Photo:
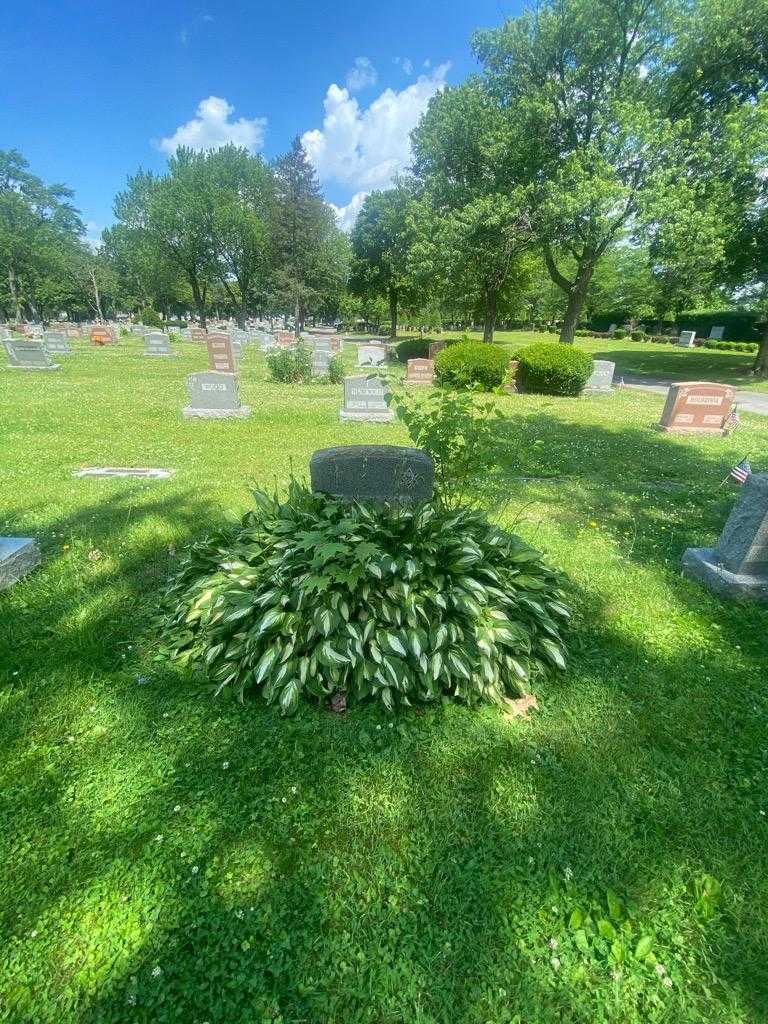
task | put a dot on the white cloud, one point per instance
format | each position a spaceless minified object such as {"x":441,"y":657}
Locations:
{"x":212,"y":128}
{"x":406,"y":64}
{"x":93,"y":233}
{"x":366,"y":148}
{"x":361,"y":75}
{"x":347,"y":215}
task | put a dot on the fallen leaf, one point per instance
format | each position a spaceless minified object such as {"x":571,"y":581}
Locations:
{"x":520,"y":707}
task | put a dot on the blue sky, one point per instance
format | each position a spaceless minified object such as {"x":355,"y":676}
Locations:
{"x":89,"y":91}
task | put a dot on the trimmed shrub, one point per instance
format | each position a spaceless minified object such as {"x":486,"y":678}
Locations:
{"x":554,"y":369}
{"x":150,"y":318}
{"x":471,"y":362}
{"x":638,"y":335}
{"x":412,"y":348}
{"x":314,"y":595}
{"x":730,"y":346}
{"x":619,"y":333}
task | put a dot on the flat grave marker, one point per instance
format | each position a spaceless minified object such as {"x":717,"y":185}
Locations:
{"x":142,"y":473}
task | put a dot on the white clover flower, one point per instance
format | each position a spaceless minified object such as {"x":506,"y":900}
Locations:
{"x":568,"y":874}
{"x":195,"y":869}
{"x":284,"y":800}
{"x":666,"y":982}
{"x":33,"y":934}
{"x":225,"y":764}
{"x":177,"y":808}
{"x":294,"y":790}
{"x":661,"y":970}
{"x":555,"y":961}
{"x":553,"y":943}
{"x":156,"y":972}
{"x":158,"y":839}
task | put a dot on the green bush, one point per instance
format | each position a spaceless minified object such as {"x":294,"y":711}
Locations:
{"x":551,"y":368}
{"x":412,"y":348}
{"x":638,"y":335}
{"x":729,"y":346}
{"x":336,"y":370}
{"x":619,"y":333}
{"x":314,"y":595}
{"x":150,"y":318}
{"x":471,"y":362}
{"x":290,"y":366}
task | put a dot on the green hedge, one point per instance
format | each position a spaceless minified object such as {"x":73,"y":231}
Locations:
{"x":730,"y":346}
{"x":412,"y":348}
{"x":471,"y":362}
{"x":551,"y":368}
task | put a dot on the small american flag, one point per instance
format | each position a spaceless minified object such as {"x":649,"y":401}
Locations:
{"x":740,"y":472}
{"x":732,"y":421}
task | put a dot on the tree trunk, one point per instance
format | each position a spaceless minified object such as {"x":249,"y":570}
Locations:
{"x":393,"y":312}
{"x":491,"y":302}
{"x":576,"y":296}
{"x":760,"y":367}
{"x":199,"y":301}
{"x":96,"y":294}
{"x":297,"y":317}
{"x":14,"y":289}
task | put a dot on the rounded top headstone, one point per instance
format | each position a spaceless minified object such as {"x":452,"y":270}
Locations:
{"x":378,"y":473}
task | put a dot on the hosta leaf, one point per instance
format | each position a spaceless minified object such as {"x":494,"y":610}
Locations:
{"x":553,"y":652}
{"x":396,"y":645}
{"x":289,"y":698}
{"x":266,"y":662}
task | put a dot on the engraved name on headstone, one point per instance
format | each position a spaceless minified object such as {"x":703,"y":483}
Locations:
{"x":157,"y":344}
{"x":420,"y":371}
{"x":601,"y":379}
{"x":378,"y":473}
{"x":686,"y":339}
{"x":57,"y":343}
{"x":25,"y":354}
{"x":371,"y":355}
{"x":221,"y":354}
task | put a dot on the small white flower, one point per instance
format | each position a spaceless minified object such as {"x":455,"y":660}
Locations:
{"x":616,"y":975}
{"x":568,"y":874}
{"x":158,"y":839}
{"x":555,"y":961}
{"x":666,"y":982}
{"x":70,"y":739}
{"x":156,"y":972}
{"x":294,"y":790}
{"x":165,"y":714}
{"x":225,"y":764}
{"x":195,"y":869}
{"x":33,"y":934}
{"x":661,"y":970}
{"x":284,"y":800}
{"x":378,"y":727}
{"x":177,"y":808}
{"x":553,"y":943}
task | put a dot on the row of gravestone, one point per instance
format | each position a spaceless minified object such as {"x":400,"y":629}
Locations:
{"x":686,"y":339}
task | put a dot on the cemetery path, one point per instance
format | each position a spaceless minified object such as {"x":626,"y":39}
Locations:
{"x":747,"y":401}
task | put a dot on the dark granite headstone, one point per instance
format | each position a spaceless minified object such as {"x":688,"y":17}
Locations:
{"x":25,"y":354}
{"x":365,"y":398}
{"x":378,"y":473}
{"x":737,"y":568}
{"x":214,"y":395}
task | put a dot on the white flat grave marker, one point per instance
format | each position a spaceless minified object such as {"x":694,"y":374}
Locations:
{"x":121,"y":471}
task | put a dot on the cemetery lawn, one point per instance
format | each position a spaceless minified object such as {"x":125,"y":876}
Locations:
{"x":165,"y":857}
{"x":644,"y":359}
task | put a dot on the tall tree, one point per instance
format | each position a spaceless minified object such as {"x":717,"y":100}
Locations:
{"x":303,"y":226}
{"x":472,"y":222}
{"x":381,"y":240}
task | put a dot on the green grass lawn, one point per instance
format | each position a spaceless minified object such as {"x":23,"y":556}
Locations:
{"x":646,"y":359}
{"x":165,"y":857}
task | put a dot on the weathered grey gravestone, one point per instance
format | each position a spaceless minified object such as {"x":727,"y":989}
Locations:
{"x":601,"y":381}
{"x":378,"y":473}
{"x":57,"y":343}
{"x":321,"y":361}
{"x":365,"y":398}
{"x":686,"y":339}
{"x":214,"y":395}
{"x":737,"y":568}
{"x":18,"y":556}
{"x":371,"y":355}
{"x":716,"y":333}
{"x":29,"y":355}
{"x":157,"y":344}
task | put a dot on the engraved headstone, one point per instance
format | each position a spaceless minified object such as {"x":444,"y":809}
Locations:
{"x":612,"y":329}
{"x":420,"y":371}
{"x":57,"y":343}
{"x":737,"y":568}
{"x":18,"y":556}
{"x":221,"y":355}
{"x":157,"y":344}
{"x":601,"y":380}
{"x":198,"y":334}
{"x":716,"y":333}
{"x":695,"y":407}
{"x":25,"y":354}
{"x":435,"y":347}
{"x":365,"y":398}
{"x":100,"y":336}
{"x":686,"y":339}
{"x":378,"y":473}
{"x":371,"y":355}
{"x":214,"y":395}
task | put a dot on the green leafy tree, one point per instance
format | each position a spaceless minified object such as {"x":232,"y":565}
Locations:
{"x":381,"y":240}
{"x":471,"y":220}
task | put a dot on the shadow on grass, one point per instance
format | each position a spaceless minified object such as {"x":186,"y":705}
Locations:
{"x":417,"y":872}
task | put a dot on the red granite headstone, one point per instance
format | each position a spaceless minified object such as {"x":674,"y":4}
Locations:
{"x":697,"y":407}
{"x":197,"y":334}
{"x":420,"y":371}
{"x":100,"y":336}
{"x":285,"y":338}
{"x":221,"y":356}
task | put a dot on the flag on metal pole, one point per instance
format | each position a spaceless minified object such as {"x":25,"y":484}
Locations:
{"x":741,"y":471}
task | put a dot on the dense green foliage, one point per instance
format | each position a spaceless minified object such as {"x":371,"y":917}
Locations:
{"x":471,"y":362}
{"x":554,"y":369}
{"x":412,"y":348}
{"x":314,"y":595}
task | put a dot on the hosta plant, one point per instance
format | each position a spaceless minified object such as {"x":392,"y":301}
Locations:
{"x":312,"y":595}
